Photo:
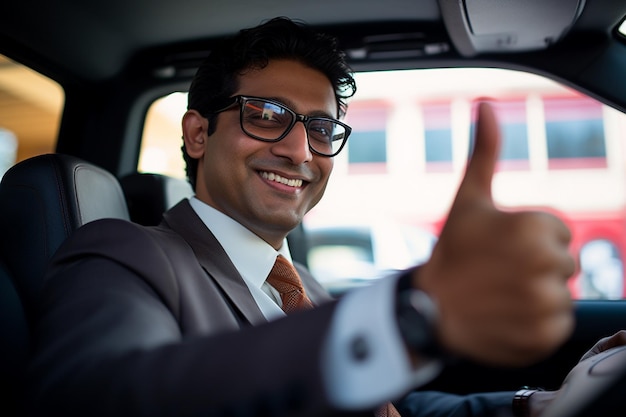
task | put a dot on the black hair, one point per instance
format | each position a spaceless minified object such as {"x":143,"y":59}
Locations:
{"x":278,"y":38}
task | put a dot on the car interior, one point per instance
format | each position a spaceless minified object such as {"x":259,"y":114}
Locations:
{"x":111,"y":61}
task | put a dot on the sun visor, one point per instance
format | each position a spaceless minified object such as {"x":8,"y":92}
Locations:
{"x":479,"y":26}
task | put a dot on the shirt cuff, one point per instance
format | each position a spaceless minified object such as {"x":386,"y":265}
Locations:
{"x":364,"y":360}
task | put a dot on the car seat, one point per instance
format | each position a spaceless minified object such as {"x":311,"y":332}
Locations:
{"x":42,"y":201}
{"x":14,"y":344}
{"x":148,"y":196}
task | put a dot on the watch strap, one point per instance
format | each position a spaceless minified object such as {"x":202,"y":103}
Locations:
{"x":521,"y":407}
{"x":416,"y":317}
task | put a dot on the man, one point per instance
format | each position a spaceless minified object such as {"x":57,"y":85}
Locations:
{"x":180,"y":320}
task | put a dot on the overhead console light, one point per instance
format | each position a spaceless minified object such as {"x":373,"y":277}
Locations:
{"x":480,"y":26}
{"x":397,"y":46}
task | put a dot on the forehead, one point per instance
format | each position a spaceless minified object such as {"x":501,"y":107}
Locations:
{"x":304,"y":89}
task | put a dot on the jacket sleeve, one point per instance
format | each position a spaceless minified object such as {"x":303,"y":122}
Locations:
{"x":441,"y":404}
{"x":110,"y":342}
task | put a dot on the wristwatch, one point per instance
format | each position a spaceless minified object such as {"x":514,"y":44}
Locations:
{"x":417,"y":319}
{"x":520,"y":401}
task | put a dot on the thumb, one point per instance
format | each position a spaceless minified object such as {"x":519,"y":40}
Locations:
{"x":476,"y":183}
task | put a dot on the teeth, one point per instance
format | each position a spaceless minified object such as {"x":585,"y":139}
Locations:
{"x":277,"y":178}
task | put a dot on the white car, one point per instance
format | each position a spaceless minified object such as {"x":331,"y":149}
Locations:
{"x":345,"y":256}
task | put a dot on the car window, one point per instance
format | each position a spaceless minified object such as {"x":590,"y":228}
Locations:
{"x":412,"y":134}
{"x":160,"y":146}
{"x":30,"y":113}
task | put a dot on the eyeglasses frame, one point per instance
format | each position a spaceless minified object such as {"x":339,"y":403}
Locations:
{"x":241,"y":100}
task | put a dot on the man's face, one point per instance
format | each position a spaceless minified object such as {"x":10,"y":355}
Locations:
{"x":235,"y":170}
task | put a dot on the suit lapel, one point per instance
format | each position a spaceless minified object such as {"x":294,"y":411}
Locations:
{"x":213,"y":259}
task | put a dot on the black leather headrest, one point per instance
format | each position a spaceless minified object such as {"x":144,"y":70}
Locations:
{"x":42,"y":201}
{"x":149,"y":195}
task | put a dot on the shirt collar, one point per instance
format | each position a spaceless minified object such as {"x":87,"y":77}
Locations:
{"x":251,"y":255}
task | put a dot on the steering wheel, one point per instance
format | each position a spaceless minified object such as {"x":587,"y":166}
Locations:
{"x":594,"y":387}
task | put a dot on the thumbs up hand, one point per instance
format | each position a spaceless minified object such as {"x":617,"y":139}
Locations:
{"x":499,"y":277}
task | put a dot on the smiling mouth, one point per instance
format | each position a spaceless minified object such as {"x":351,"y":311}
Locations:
{"x":270,"y":176}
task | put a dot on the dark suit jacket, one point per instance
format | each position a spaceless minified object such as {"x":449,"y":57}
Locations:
{"x":148,"y":321}
{"x":129,"y":309}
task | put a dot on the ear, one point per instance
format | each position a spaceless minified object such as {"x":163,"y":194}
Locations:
{"x":194,"y":133}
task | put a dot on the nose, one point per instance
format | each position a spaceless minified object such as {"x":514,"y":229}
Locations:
{"x":294,"y":146}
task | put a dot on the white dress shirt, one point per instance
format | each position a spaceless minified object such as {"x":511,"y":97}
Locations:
{"x":366,"y":315}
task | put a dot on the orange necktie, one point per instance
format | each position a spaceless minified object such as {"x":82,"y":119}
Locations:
{"x":387,"y":410}
{"x":284,"y":278}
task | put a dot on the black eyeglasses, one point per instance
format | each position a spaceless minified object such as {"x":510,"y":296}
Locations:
{"x":270,"y":121}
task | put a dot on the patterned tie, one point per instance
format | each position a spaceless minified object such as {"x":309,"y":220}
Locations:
{"x":387,"y":410}
{"x":284,"y":278}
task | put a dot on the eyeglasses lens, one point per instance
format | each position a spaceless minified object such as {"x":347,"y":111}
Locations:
{"x":270,"y":121}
